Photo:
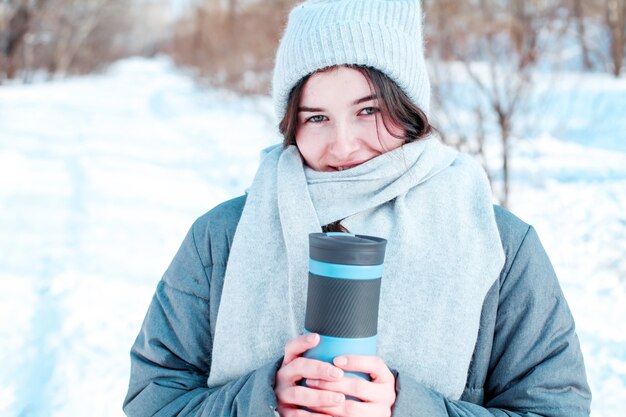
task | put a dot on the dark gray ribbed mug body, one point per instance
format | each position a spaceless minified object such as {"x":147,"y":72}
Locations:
{"x":345,"y":272}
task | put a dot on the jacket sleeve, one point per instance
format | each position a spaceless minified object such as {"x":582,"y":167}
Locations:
{"x":535,"y":366}
{"x":171,"y":357}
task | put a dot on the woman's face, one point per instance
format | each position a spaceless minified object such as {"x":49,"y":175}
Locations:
{"x":339,"y":121}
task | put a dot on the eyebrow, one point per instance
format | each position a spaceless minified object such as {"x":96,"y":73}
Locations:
{"x":354,"y":103}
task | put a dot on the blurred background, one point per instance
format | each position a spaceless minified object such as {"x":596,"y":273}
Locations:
{"x":121,"y":121}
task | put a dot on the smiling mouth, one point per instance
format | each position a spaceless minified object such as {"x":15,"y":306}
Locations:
{"x":348,"y":166}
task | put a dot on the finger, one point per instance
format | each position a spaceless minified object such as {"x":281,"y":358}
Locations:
{"x":372,"y":365}
{"x":292,"y":411}
{"x":308,"y":397}
{"x":359,"y":409}
{"x":296,"y":347}
{"x":301,"y":368}
{"x":355,"y":409}
{"x":358,"y":388}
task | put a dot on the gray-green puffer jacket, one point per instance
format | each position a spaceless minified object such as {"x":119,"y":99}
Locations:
{"x":527,"y":360}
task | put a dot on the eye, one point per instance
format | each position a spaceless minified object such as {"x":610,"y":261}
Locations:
{"x":369,"y":111}
{"x":316,"y":119}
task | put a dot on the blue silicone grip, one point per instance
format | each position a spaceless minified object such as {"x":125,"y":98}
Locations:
{"x":331,"y":347}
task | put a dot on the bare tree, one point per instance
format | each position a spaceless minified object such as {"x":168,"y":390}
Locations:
{"x":616,"y":24}
{"x":578,"y":13}
{"x":497,"y":45}
{"x":20,"y":19}
{"x":63,"y":36}
{"x":231,"y":43}
{"x":606,"y":41}
{"x":75,"y":26}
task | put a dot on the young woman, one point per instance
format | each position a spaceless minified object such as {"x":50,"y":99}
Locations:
{"x":472,"y":320}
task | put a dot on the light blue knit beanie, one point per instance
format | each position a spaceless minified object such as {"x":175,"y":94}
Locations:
{"x":383,"y":34}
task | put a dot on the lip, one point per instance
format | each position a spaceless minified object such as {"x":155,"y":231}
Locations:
{"x":347,"y":165}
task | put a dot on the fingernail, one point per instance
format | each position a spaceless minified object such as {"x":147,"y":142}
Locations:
{"x":340,"y":360}
{"x":311,"y":337}
{"x":338,"y":398}
{"x":336,"y":372}
{"x":312,"y":382}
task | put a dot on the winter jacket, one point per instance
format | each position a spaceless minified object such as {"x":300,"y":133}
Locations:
{"x":527,"y":360}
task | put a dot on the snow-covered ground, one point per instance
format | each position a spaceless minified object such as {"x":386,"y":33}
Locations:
{"x":101,"y":176}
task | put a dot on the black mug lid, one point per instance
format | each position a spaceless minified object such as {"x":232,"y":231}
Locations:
{"x":347,"y":249}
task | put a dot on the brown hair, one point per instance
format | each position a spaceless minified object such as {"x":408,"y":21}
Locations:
{"x":395,"y":107}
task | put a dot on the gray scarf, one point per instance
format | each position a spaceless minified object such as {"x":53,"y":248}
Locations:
{"x":430,"y":202}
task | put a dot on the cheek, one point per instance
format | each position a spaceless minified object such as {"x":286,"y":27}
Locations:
{"x":390,"y":143}
{"x":309,"y":144}
{"x":391,"y":139}
{"x":302,"y":138}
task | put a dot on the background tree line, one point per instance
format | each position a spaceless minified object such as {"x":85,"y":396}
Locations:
{"x":64,"y":37}
{"x":496,"y":46}
{"x":233,"y":41}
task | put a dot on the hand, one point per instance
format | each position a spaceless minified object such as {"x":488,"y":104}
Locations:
{"x":377,"y":395}
{"x":295,"y":368}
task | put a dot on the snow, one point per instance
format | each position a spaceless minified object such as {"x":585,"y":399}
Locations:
{"x":101,"y":177}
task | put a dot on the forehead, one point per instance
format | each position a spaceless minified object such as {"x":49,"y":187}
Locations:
{"x":338,"y":85}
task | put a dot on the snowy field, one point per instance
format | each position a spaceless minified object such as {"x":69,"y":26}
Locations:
{"x":101,"y":176}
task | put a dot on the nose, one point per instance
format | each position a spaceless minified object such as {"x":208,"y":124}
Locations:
{"x":345,"y":141}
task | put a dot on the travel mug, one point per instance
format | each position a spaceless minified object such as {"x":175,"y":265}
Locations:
{"x":345,"y":273}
